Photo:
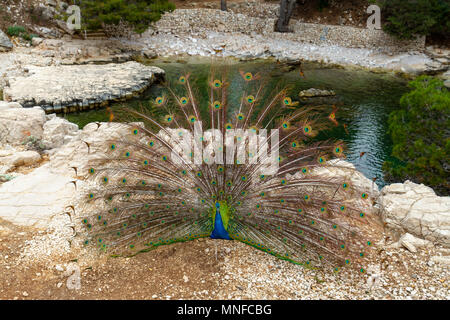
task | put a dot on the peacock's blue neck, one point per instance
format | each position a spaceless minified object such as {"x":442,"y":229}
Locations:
{"x":219,"y":231}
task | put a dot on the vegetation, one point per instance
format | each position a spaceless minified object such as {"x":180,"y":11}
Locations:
{"x":407,"y":18}
{"x":420,"y":132}
{"x":137,"y":13}
{"x":19,"y":31}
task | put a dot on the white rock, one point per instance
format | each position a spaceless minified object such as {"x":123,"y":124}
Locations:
{"x":447,"y":83}
{"x":33,"y":199}
{"x":9,"y":105}
{"x":36,"y":41}
{"x":412,"y":243}
{"x":312,"y":92}
{"x":18,"y":124}
{"x":441,"y":259}
{"x":5,"y":43}
{"x":23,"y":158}
{"x":56,"y":130}
{"x":414,"y":208}
{"x":57,"y":87}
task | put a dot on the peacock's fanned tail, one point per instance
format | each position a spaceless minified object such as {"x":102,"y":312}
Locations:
{"x":145,"y":191}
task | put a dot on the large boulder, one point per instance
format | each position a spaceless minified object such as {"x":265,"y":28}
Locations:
{"x":57,"y":131}
{"x":81,"y":148}
{"x":33,"y":199}
{"x":36,"y":198}
{"x":5,"y":43}
{"x":416,"y":209}
{"x":21,"y":158}
{"x":17,"y":124}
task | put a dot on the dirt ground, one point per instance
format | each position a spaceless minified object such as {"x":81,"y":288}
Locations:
{"x":193,"y":270}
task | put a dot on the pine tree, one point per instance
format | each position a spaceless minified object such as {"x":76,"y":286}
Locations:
{"x":137,"y":13}
{"x":420,"y":131}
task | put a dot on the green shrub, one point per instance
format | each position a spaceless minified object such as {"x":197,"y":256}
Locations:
{"x":19,"y":31}
{"x":420,"y":131}
{"x":138,"y":13}
{"x":15,"y":31}
{"x":407,"y":18}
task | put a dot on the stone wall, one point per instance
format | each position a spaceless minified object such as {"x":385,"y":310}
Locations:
{"x":194,"y":21}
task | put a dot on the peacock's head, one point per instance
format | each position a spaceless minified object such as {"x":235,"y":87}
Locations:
{"x":218,"y":205}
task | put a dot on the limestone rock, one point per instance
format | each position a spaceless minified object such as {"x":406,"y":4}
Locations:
{"x":19,"y":124}
{"x":342,"y":168}
{"x":445,"y":260}
{"x":412,"y":243}
{"x":36,"y":41}
{"x":55,"y":131}
{"x":413,"y":208}
{"x":76,"y":154}
{"x":5,"y":43}
{"x":23,"y":158}
{"x":447,"y":83}
{"x":78,"y":87}
{"x":312,"y":92}
{"x":9,"y":105}
{"x":33,"y":199}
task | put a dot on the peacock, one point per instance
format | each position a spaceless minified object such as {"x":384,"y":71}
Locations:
{"x":252,"y":169}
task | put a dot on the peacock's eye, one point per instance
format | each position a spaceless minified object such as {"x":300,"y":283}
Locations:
{"x":159,"y":100}
{"x":184,"y":100}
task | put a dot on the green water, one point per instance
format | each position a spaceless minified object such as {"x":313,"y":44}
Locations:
{"x":365,"y":101}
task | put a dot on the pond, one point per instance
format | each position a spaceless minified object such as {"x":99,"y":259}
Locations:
{"x":365,"y":101}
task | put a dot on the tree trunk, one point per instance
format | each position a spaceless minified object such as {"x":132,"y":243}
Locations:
{"x":286,"y":8}
{"x":223,"y":5}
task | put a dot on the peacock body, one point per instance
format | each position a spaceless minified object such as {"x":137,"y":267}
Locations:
{"x":194,"y":171}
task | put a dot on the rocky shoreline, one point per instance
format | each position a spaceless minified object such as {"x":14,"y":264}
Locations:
{"x":27,"y":71}
{"x":210,"y":32}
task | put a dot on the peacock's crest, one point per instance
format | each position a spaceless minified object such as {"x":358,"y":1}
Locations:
{"x":252,"y":171}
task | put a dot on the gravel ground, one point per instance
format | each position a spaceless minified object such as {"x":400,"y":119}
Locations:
{"x":43,"y":267}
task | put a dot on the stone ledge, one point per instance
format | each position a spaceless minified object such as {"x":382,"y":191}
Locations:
{"x":81,"y":87}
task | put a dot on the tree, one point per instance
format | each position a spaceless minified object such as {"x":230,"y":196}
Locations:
{"x":136,"y":13}
{"x":223,"y":5}
{"x":407,"y":18}
{"x":420,"y":131}
{"x":286,"y":8}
